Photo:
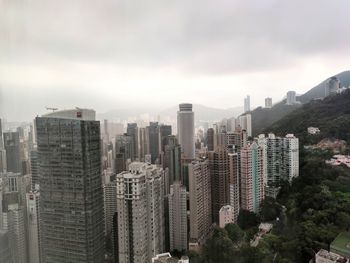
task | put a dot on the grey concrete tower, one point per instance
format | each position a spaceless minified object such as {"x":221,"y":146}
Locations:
{"x":185,"y":130}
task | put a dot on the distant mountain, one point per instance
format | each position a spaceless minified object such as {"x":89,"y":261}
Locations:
{"x":202,"y":113}
{"x":331,"y":115}
{"x":263,"y":118}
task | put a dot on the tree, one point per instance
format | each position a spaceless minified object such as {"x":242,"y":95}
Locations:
{"x":247,"y":219}
{"x":269,"y":209}
{"x":234,"y":232}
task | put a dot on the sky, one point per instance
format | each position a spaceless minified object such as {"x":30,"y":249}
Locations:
{"x":118,"y":54}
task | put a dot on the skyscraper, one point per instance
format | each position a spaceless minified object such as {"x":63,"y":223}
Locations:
{"x":200,"y":201}
{"x":164,"y":133}
{"x":172,"y":159}
{"x":140,"y":213}
{"x":33,"y":232}
{"x":268,"y":103}
{"x":332,"y":86}
{"x":5,"y":252}
{"x":71,"y":197}
{"x":245,"y":122}
{"x":185,"y":130}
{"x":144,"y":143}
{"x":219,"y":173}
{"x":247,"y":104}
{"x":210,"y":139}
{"x":234,"y":183}
{"x":154,"y":141}
{"x":178,"y":217}
{"x":123,"y":151}
{"x":132,"y":131}
{"x":12,"y":147}
{"x":1,"y":139}
{"x":252,"y":177}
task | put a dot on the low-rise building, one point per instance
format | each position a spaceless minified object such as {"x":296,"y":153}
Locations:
{"x":313,"y":130}
{"x":324,"y":256}
{"x":167,"y":258}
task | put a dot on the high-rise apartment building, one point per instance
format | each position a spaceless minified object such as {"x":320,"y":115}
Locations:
{"x":268,"y":103}
{"x":140,"y":213}
{"x":245,"y":123}
{"x":200,"y":201}
{"x":210,"y":139}
{"x":247,"y":104}
{"x":164,"y":133}
{"x":332,"y":86}
{"x":34,"y":169}
{"x":13,"y":156}
{"x":234,"y":183}
{"x":178,"y":217}
{"x":252,"y":177}
{"x":110,"y":205}
{"x":33,"y":230}
{"x":71,"y":196}
{"x":132,"y":131}
{"x":281,"y":160}
{"x":185,"y":130}
{"x":226,"y":216}
{"x":291,"y":98}
{"x":219,"y":173}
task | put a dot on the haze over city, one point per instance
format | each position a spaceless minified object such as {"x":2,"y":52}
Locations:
{"x":153,"y":55}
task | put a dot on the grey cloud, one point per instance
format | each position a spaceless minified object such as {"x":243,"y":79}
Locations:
{"x":193,"y":36}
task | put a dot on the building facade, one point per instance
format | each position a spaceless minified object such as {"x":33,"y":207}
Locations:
{"x":185,"y":130}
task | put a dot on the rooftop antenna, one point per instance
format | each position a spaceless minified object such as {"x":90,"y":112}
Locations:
{"x":52,"y":109}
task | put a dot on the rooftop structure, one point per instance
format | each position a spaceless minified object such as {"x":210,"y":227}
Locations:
{"x":324,"y":256}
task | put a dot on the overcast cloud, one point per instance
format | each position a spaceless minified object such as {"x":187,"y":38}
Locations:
{"x":110,"y":54}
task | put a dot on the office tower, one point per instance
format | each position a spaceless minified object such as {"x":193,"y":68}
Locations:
{"x":3,"y":162}
{"x":12,"y":147}
{"x":219,"y":173}
{"x":164,"y":133}
{"x":247,"y":104}
{"x":133,"y":132}
{"x":332,"y":86}
{"x":140,"y":210}
{"x":226,"y":215}
{"x":123,"y":151}
{"x":291,"y":98}
{"x":178,"y":217}
{"x":71,"y":195}
{"x":245,"y":122}
{"x":210,"y":139}
{"x":110,"y":205}
{"x":34,"y":169}
{"x":5,"y":252}
{"x":1,"y":136}
{"x":17,"y":234}
{"x":200,"y":201}
{"x":172,"y":159}
{"x":185,"y":130}
{"x":252,"y":177}
{"x":105,"y":131}
{"x":33,"y":231}
{"x":154,"y":144}
{"x":268,"y":103}
{"x":144,"y":143}
{"x":234,"y":183}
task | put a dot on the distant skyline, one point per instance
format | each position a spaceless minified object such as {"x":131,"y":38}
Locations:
{"x":120,"y":54}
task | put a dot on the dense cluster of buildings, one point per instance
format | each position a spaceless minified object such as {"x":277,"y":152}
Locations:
{"x":68,"y":184}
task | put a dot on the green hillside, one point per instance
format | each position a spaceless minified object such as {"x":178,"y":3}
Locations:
{"x":331,"y":115}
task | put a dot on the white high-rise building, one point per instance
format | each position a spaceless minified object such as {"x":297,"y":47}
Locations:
{"x":268,"y":103}
{"x":178,"y":217}
{"x":247,"y":104}
{"x":33,"y":231}
{"x":245,"y":122}
{"x":291,"y":98}
{"x":185,"y":130}
{"x":281,"y":160}
{"x":140,"y":208}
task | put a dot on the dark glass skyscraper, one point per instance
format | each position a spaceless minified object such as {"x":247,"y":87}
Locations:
{"x":13,"y":155}
{"x":71,"y":196}
{"x":133,"y":131}
{"x":154,"y":138}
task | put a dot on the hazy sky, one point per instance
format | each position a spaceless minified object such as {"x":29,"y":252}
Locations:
{"x":110,"y":54}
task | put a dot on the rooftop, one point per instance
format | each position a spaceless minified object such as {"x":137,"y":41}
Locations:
{"x":341,"y":244}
